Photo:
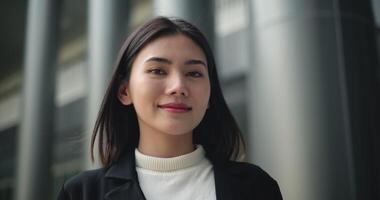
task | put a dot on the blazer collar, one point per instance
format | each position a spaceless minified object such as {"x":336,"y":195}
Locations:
{"x":124,"y":168}
{"x":122,"y":177}
{"x":224,"y":183}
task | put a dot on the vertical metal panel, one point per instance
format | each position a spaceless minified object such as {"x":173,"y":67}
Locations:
{"x":299,"y":107}
{"x":198,"y":12}
{"x":357,"y":26}
{"x":108,"y":24}
{"x":34,"y":179}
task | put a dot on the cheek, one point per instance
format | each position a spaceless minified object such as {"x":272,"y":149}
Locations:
{"x":203,"y":95}
{"x":144,"y":91}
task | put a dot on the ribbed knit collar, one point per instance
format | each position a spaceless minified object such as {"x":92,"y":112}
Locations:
{"x":169,"y":164}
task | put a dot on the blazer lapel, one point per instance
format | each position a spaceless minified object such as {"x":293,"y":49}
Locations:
{"x":225,"y":185}
{"x":228,"y":185}
{"x":122,"y":180}
{"x":126,"y":191}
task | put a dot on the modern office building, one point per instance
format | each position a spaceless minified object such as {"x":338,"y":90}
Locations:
{"x":301,"y":77}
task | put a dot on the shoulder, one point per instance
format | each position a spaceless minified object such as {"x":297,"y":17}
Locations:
{"x":82,"y":183}
{"x":85,"y":178}
{"x":249,"y":179}
{"x":247,"y":170}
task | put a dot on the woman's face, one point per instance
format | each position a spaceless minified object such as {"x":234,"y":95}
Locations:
{"x":169,"y":86}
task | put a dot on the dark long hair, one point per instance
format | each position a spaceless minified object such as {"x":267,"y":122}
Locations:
{"x":116,"y":127}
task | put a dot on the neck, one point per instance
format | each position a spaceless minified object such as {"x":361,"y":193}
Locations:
{"x":165,"y":145}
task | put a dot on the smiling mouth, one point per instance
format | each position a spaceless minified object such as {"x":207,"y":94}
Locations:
{"x":175,"y":108}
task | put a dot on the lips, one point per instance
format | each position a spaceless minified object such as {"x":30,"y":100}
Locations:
{"x":175,"y":107}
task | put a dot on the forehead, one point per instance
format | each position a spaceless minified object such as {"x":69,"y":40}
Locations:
{"x":177,"y":46}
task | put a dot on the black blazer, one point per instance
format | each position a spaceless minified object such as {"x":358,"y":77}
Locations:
{"x":233,"y":180}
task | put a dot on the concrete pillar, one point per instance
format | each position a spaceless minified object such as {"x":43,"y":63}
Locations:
{"x":36,"y":133}
{"x":306,"y":57}
{"x":108,"y":25}
{"x":198,"y":12}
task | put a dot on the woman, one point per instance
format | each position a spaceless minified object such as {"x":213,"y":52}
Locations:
{"x":164,"y":130}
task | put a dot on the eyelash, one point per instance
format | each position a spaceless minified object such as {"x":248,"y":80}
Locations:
{"x":161,"y":72}
{"x":195,"y":74}
{"x":157,"y":72}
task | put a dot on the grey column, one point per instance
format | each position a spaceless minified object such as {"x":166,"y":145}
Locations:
{"x":198,"y":12}
{"x":35,"y":139}
{"x":302,"y":127}
{"x":108,"y":25}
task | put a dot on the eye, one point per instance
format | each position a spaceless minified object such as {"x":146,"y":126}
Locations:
{"x":194,"y":74}
{"x":157,"y":71}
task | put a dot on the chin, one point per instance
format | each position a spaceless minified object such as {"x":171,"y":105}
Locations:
{"x":177,"y":130}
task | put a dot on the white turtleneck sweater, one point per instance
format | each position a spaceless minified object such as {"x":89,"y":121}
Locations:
{"x":186,"y":177}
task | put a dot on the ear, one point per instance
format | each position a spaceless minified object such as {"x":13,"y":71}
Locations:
{"x":123,"y":95}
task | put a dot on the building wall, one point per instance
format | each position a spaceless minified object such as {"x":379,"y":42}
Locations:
{"x":233,"y":59}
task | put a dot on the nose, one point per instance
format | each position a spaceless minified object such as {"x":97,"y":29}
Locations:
{"x":177,"y":86}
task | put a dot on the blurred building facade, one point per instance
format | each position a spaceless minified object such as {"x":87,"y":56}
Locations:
{"x":301,"y":77}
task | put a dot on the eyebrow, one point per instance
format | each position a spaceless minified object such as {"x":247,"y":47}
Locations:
{"x":167,"y":61}
{"x":195,"y":62}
